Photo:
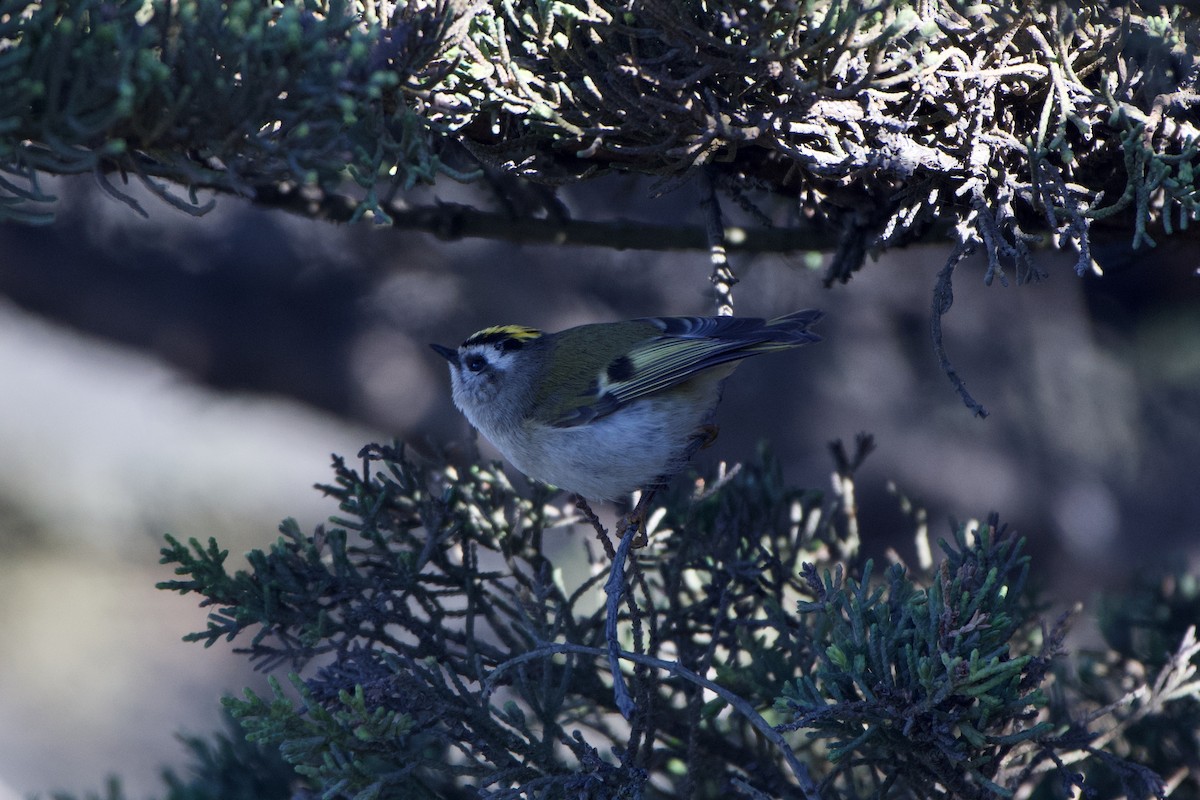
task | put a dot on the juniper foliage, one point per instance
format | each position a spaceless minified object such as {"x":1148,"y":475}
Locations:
{"x":938,"y":682}
{"x":437,"y":651}
{"x":999,"y":122}
{"x":222,"y":766}
{"x":1146,"y":683}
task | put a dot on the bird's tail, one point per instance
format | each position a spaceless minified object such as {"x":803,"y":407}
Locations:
{"x":793,"y":329}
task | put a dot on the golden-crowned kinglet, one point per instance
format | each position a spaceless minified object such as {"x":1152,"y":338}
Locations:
{"x":601,"y":410}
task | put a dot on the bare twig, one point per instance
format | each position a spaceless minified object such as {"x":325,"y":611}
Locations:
{"x":581,"y":505}
{"x":614,"y":590}
{"x":943,"y":298}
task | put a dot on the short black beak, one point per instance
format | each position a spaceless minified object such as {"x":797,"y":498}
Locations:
{"x":448,"y":353}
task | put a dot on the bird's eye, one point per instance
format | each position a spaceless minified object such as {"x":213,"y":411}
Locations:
{"x":474,"y":362}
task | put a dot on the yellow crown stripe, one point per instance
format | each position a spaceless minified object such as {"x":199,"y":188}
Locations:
{"x":498,"y":333}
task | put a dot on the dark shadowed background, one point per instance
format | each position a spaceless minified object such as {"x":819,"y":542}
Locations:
{"x":192,"y":376}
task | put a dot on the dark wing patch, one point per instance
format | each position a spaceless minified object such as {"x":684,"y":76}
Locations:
{"x":621,"y":369}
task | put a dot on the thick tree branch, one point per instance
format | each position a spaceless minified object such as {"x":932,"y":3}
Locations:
{"x":454,"y":221}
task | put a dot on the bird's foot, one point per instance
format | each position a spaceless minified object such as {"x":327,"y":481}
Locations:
{"x":635,"y":520}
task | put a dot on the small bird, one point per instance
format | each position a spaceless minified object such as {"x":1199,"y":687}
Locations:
{"x":601,"y":410}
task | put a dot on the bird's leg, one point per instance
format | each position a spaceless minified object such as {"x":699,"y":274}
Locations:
{"x":635,"y":520}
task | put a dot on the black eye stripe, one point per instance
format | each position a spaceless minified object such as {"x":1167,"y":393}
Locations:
{"x":474,"y":362}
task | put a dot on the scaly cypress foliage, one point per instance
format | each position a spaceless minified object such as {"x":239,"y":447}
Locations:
{"x":994,"y":121}
{"x":445,"y":655}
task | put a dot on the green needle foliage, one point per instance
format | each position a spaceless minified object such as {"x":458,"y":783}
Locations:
{"x":436,"y":651}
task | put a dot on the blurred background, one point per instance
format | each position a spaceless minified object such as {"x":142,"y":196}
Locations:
{"x":192,"y":376}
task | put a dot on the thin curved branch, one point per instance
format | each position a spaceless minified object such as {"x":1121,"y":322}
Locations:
{"x":943,"y":298}
{"x":807,"y":786}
